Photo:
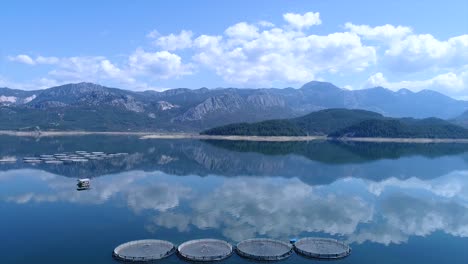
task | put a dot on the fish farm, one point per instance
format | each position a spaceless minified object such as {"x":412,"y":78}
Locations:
{"x":264,"y":249}
{"x":322,"y":248}
{"x":70,"y":158}
{"x":144,"y":250}
{"x":204,"y":250}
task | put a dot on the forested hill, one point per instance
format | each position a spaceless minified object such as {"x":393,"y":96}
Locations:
{"x":346,"y":123}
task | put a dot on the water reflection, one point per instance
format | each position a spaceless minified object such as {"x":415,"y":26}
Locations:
{"x":357,"y":210}
{"x":314,"y":163}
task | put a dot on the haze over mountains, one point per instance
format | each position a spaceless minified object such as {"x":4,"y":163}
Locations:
{"x":88,"y":106}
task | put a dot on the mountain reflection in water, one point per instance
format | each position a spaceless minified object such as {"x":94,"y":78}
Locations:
{"x":178,"y":189}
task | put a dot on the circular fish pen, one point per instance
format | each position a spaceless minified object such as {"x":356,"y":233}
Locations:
{"x":205,"y":250}
{"x":143,"y":250}
{"x":322,"y":248}
{"x":264,"y":249}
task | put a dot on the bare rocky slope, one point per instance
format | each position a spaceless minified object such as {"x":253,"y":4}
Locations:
{"x":88,"y":106}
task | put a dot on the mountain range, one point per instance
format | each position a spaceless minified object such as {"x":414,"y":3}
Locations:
{"x":88,"y":106}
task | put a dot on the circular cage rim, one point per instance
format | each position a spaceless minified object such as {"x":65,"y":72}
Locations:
{"x":210,"y":258}
{"x":269,"y":257}
{"x":346,"y":251}
{"x":118,"y":256}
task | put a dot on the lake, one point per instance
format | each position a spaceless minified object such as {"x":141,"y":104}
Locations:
{"x":393,"y":203}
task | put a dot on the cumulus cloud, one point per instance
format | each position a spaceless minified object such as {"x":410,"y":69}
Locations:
{"x":40,"y":83}
{"x":174,"y":42}
{"x":303,"y":21}
{"x":423,"y":52}
{"x":386,"y":32}
{"x":245,"y":55}
{"x":161,"y":64}
{"x":454,"y":83}
{"x":154,"y":65}
{"x":22,"y":58}
{"x":84,"y":68}
{"x":26,"y":59}
{"x":262,"y":54}
{"x":242,"y":31}
{"x":264,"y":23}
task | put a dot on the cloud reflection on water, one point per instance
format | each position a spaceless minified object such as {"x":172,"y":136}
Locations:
{"x":360,"y":210}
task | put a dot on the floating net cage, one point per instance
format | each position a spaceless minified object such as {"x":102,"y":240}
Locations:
{"x":144,"y":250}
{"x":205,"y":250}
{"x":264,"y":249}
{"x":322,"y":248}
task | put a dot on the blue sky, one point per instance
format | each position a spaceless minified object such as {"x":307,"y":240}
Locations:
{"x":143,"y":45}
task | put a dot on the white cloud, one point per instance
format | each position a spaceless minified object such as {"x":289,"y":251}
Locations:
{"x":22,"y":58}
{"x":451,"y":83}
{"x":246,"y":56}
{"x":383,"y":33}
{"x":153,"y":34}
{"x":161,"y":64}
{"x":262,"y":54}
{"x":175,"y":42}
{"x":423,"y":52}
{"x":40,"y":83}
{"x":87,"y":68}
{"x":242,"y":31}
{"x":26,"y":59}
{"x":303,"y":21}
{"x":154,"y":65}
{"x":47,"y":60}
{"x":264,"y":23}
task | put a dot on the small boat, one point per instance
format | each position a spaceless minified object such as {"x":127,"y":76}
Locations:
{"x":83,"y":184}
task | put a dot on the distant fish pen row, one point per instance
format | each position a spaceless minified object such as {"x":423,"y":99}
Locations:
{"x":68,"y":158}
{"x":261,"y":249}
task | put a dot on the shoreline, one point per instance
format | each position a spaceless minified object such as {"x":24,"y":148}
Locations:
{"x":235,"y":138}
{"x":153,"y":135}
{"x":69,"y":133}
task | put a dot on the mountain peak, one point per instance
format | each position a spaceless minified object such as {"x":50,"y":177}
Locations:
{"x":404,"y":91}
{"x":319,"y":85}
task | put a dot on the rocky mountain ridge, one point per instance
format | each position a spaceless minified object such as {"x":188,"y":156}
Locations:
{"x":184,"y":109}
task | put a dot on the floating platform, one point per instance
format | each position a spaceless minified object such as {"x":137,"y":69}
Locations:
{"x":205,"y":250}
{"x":53,"y":162}
{"x":33,"y":161}
{"x":79,"y":160}
{"x":322,"y":248}
{"x":144,"y":250}
{"x":71,"y":157}
{"x":264,"y":249}
{"x":45,"y":159}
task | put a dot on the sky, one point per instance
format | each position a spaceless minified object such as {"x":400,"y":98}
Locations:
{"x":141,"y":45}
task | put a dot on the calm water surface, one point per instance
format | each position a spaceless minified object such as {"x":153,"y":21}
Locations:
{"x":394,"y":203}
